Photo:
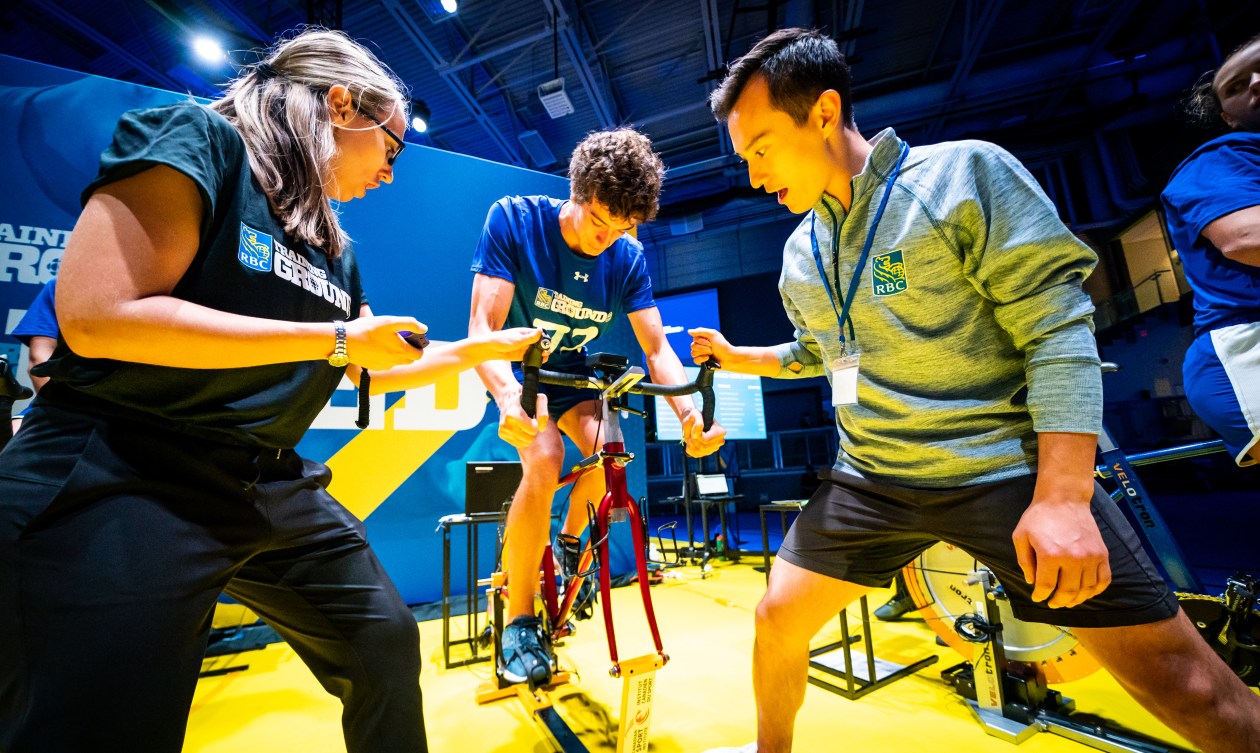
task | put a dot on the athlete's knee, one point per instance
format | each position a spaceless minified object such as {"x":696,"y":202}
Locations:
{"x":542,"y":462}
{"x":777,"y":619}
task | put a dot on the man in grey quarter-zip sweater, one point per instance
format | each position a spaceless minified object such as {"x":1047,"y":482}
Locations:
{"x":978,"y":395}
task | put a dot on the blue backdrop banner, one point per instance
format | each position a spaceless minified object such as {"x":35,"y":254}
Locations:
{"x":414,"y":240}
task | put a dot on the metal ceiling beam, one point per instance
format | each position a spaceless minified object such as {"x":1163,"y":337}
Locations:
{"x":852,"y":22}
{"x":242,"y":21}
{"x":976,"y":32}
{"x":497,"y":51}
{"x":74,"y":22}
{"x":1117,"y":19}
{"x":940,"y":37}
{"x":605,"y":113}
{"x":466,"y":98}
{"x":714,"y":61}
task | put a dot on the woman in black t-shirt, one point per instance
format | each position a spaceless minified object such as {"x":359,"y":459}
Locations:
{"x":209,"y":304}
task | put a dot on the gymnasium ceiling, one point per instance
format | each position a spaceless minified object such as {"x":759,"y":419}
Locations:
{"x":1036,"y":76}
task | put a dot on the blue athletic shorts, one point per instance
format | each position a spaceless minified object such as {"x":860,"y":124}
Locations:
{"x":1222,"y":379}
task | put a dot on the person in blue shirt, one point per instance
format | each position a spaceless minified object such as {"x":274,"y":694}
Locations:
{"x":1212,"y":205}
{"x":570,"y":268}
{"x":38,"y":331}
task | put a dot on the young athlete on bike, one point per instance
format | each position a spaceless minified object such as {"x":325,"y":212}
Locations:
{"x":570,"y":268}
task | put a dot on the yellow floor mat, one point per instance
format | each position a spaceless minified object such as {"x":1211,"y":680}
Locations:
{"x":703,"y":696}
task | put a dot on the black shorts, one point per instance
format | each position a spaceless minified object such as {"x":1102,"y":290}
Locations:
{"x":864,"y":531}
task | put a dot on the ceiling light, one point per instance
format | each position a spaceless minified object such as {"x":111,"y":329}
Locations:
{"x":450,"y":6}
{"x":554,"y":98}
{"x":419,"y":116}
{"x":208,"y":49}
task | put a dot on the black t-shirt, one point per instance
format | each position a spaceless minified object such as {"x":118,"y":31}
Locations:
{"x":246,"y":264}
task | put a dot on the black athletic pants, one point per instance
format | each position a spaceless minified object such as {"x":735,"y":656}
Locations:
{"x":115,"y":542}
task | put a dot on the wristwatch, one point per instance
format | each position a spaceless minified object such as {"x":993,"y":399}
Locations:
{"x":339,"y":357}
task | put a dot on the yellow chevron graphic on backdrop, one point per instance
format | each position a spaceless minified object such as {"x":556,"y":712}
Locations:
{"x":376,"y":462}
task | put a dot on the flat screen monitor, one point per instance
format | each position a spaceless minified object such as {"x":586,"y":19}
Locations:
{"x":740,"y":407}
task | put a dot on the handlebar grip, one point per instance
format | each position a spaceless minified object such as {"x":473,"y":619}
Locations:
{"x":531,"y":362}
{"x":704,"y":385}
{"x":10,"y":387}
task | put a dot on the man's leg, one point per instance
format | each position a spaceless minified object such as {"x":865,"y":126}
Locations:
{"x":582,"y":425}
{"x":796,"y":605}
{"x":1169,"y":669}
{"x":529,"y":518}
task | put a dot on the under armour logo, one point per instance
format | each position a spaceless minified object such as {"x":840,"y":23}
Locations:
{"x":581,"y":277}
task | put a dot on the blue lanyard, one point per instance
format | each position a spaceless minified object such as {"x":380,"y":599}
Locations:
{"x":842,"y":315}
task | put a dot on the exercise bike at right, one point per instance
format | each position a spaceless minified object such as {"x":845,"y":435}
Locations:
{"x":1011,"y":663}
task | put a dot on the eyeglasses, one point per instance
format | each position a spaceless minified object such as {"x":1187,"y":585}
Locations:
{"x":401,"y":144}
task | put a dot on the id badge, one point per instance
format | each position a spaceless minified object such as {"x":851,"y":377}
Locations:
{"x":844,"y":380}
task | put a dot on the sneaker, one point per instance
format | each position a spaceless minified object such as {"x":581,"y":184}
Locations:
{"x":568,"y":552}
{"x":896,"y":608}
{"x":525,"y":659}
{"x":749,"y":748}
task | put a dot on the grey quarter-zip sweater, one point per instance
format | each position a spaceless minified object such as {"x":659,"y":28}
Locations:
{"x":973,"y":329}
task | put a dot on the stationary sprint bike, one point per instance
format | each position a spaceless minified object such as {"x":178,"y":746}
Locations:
{"x":614,"y":379}
{"x":1010,"y":663}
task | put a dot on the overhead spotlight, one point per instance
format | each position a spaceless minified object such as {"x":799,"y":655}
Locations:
{"x":419,"y":116}
{"x":450,"y":6}
{"x":208,"y":49}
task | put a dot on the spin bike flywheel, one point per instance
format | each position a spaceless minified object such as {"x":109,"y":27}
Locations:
{"x":937,"y":583}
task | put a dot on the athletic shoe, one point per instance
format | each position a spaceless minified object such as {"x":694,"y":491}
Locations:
{"x":525,"y":659}
{"x":895,"y":608}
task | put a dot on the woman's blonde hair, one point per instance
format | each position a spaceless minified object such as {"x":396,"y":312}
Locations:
{"x":280,"y":108}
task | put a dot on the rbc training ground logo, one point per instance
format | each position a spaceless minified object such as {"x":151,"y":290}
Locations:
{"x":888,"y":274}
{"x":255,"y":249}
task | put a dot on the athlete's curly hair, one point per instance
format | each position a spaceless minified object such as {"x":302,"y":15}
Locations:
{"x":620,"y":169}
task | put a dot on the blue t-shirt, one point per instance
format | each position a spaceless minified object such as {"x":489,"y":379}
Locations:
{"x":1220,"y":177}
{"x":573,"y":298}
{"x":40,"y":320}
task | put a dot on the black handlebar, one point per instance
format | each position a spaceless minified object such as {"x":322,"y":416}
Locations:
{"x":532,"y":375}
{"x":531,"y":364}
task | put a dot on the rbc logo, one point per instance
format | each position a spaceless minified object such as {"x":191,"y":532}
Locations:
{"x":544,"y":298}
{"x":255,"y":249}
{"x":888,"y":274}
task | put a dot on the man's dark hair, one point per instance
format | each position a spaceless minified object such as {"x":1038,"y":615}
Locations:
{"x":799,"y":65}
{"x":619,"y":169}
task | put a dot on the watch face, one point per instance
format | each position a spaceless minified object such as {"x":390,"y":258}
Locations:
{"x":338,"y":360}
